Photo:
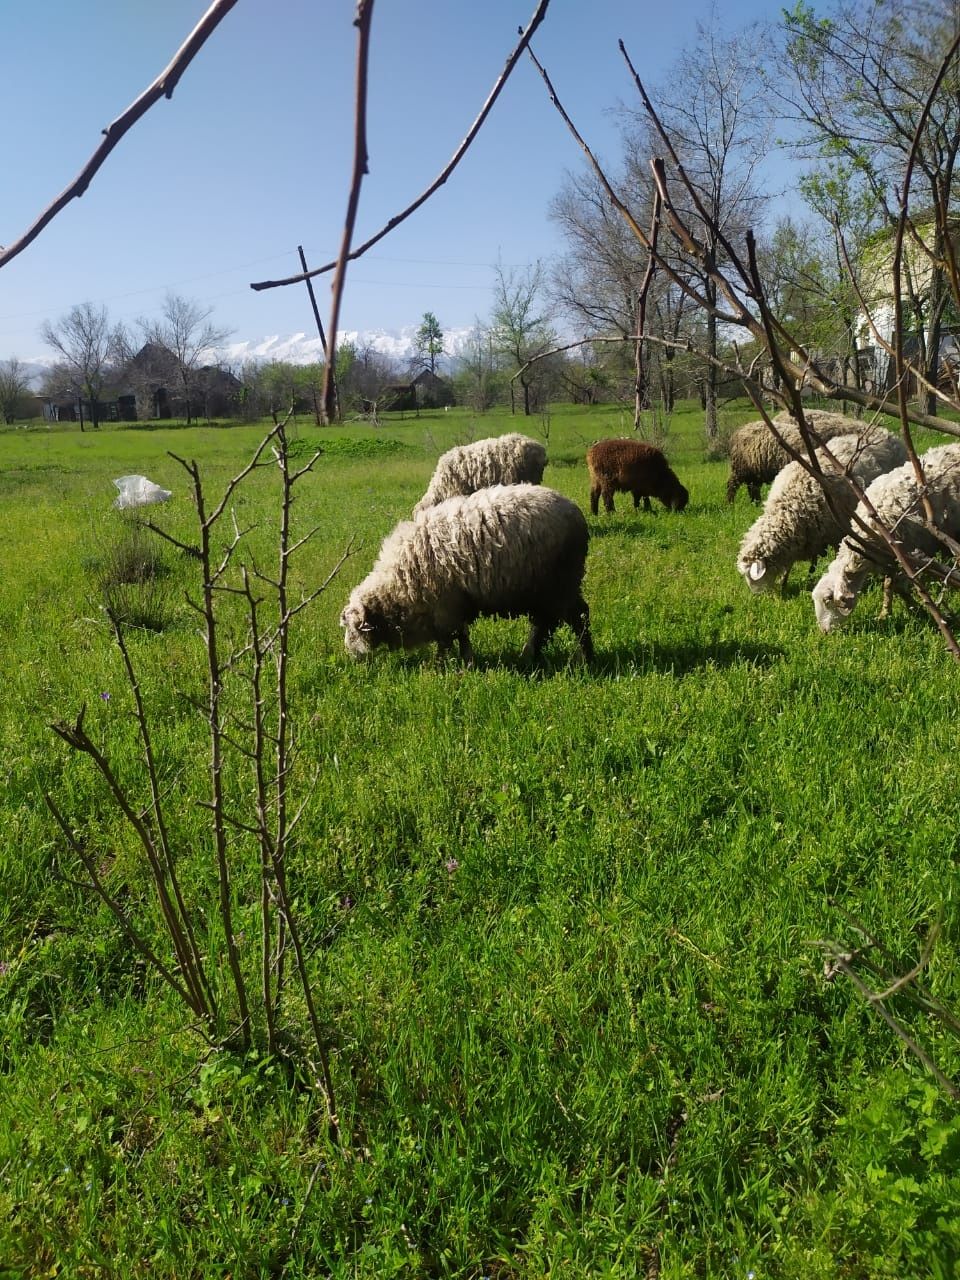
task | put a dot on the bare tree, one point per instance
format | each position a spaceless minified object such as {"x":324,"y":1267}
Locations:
{"x":477,"y":375}
{"x":186,"y":332}
{"x":603,"y":283}
{"x":521,"y":330}
{"x":598,"y":282}
{"x":715,"y":110}
{"x":87,"y":346}
{"x":14,"y":385}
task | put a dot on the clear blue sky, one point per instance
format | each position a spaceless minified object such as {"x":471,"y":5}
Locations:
{"x":251,"y":157}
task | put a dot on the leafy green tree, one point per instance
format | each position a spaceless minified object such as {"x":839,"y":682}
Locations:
{"x":521,"y":329}
{"x":859,"y":82}
{"x":428,"y":343}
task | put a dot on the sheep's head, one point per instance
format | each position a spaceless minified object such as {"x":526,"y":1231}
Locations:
{"x":833,"y":601}
{"x":365,"y":628}
{"x":370,"y":623}
{"x":357,"y":630}
{"x":678,"y":498}
{"x":755,"y":573}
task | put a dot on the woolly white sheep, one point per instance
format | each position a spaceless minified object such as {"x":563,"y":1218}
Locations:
{"x":896,"y":500}
{"x":507,"y":551}
{"x":802,"y":516}
{"x":756,"y":455}
{"x":509,"y":459}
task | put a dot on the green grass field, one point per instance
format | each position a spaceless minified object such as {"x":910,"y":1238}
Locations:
{"x":559,"y":919}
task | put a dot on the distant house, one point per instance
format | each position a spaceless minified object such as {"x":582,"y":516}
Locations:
{"x":398,"y":397}
{"x":939,"y":348}
{"x":432,"y":391}
{"x":62,"y":408}
{"x":151,"y":381}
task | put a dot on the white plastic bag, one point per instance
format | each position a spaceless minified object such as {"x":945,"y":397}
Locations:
{"x":138,"y":491}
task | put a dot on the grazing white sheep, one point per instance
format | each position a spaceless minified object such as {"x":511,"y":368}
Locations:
{"x":802,"y":516}
{"x":896,"y":499}
{"x":508,"y":551}
{"x":509,"y":459}
{"x":756,"y":455}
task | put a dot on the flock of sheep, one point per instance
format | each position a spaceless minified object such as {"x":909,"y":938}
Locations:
{"x":487,"y":539}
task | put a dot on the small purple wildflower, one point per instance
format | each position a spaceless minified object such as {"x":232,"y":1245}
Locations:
{"x":104,"y":697}
{"x":451,"y":864}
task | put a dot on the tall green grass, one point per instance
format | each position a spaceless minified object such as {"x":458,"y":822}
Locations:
{"x":559,"y":919}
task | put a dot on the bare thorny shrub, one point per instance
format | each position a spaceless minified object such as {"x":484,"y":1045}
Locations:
{"x":246,"y":613}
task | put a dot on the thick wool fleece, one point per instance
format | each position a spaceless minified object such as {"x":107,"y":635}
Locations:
{"x":508,"y":550}
{"x":632,"y":466}
{"x":756,"y":455}
{"x":896,"y":500}
{"x":803,"y":516}
{"x":509,"y":459}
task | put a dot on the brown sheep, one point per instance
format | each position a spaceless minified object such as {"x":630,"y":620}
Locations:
{"x":632,"y":466}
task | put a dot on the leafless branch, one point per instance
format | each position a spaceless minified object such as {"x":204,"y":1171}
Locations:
{"x":360,"y":157}
{"x":525,"y":36}
{"x":89,"y":865}
{"x":841,"y":960}
{"x":162,"y":87}
{"x":196,"y":971}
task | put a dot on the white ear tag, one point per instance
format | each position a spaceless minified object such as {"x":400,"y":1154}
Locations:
{"x":757,"y":570}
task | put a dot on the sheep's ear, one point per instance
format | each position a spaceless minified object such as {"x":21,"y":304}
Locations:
{"x":757,"y":570}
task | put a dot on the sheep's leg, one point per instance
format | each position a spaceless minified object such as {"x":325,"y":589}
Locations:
{"x":466,"y":649}
{"x":783,"y":584}
{"x":753,"y":488}
{"x":594,"y":499}
{"x":445,"y":646}
{"x":886,"y":609}
{"x":579,"y":622}
{"x":608,"y":500}
{"x":540,"y":633}
{"x":733,"y":484}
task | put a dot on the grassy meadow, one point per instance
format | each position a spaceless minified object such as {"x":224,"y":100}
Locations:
{"x":559,"y":919}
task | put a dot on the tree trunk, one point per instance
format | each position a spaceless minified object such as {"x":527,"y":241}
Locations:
{"x":640,"y":396}
{"x":710,"y":388}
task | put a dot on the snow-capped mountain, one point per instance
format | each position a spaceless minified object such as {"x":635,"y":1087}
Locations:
{"x":301,"y":348}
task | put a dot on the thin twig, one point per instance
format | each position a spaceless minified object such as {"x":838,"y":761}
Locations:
{"x":162,"y":87}
{"x":525,"y":36}
{"x":360,"y":161}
